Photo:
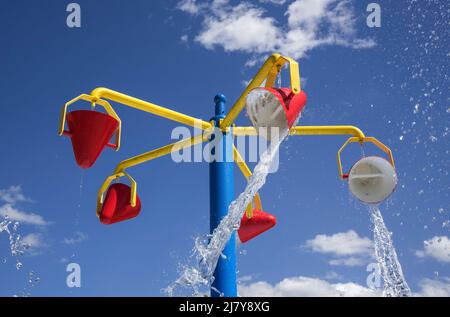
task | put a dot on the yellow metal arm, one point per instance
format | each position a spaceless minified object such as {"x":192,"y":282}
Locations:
{"x":162,"y":151}
{"x":308,"y":130}
{"x":120,"y":169}
{"x":267,"y":72}
{"x":136,"y":103}
{"x":247,"y":173}
{"x":165,"y":150}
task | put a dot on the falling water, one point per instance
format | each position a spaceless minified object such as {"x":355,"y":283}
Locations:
{"x":208,"y":249}
{"x":16,"y":247}
{"x":394,"y":282}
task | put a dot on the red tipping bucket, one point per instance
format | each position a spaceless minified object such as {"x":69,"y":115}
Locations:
{"x":274,"y":107}
{"x":90,"y":131}
{"x":260,"y":222}
{"x":292,"y":103}
{"x":116,"y":206}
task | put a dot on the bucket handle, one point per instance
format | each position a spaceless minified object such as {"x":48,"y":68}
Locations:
{"x":105,"y":186}
{"x":294,"y":73}
{"x":372,"y":140}
{"x":94,"y":102}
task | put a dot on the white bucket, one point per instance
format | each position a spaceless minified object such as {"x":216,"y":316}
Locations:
{"x":264,"y":110}
{"x":372,"y":179}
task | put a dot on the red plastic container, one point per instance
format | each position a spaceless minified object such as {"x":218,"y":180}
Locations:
{"x":292,"y":103}
{"x":116,"y":206}
{"x":90,"y":131}
{"x":259,"y":223}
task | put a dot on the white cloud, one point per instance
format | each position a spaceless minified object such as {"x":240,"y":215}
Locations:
{"x":277,"y":2}
{"x":184,"y":38}
{"x":347,"y":248}
{"x":342,"y":243}
{"x":248,"y":28}
{"x":437,"y":247}
{"x":332,"y":275}
{"x":434,"y":288}
{"x":32,"y":244}
{"x":32,"y":240}
{"x":23,"y":217}
{"x":13,"y":195}
{"x":78,"y":237}
{"x":242,"y":29}
{"x":245,"y":278}
{"x":350,"y":261}
{"x":189,"y":6}
{"x":305,"y":287}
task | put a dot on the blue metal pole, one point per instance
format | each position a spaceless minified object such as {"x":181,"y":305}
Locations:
{"x":221,"y":194}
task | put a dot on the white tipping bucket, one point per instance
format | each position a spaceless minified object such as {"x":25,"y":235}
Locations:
{"x":264,"y":110}
{"x":372,"y":179}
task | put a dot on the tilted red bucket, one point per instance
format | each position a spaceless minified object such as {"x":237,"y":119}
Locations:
{"x":90,"y":131}
{"x":252,"y":227}
{"x":116,"y":206}
{"x":292,"y":103}
{"x":274,"y":107}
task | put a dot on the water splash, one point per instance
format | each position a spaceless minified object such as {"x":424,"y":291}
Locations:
{"x":16,"y":247}
{"x":207,"y":250}
{"x":394,"y":282}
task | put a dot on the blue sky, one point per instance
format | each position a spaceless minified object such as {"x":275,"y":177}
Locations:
{"x":391,"y":81}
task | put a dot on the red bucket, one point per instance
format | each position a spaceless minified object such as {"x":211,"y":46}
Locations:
{"x":90,"y":131}
{"x":292,"y":103}
{"x":274,"y":107}
{"x":252,"y":227}
{"x":116,"y":206}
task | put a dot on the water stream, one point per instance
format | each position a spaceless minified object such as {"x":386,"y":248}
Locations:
{"x":198,"y":276}
{"x":391,"y":271}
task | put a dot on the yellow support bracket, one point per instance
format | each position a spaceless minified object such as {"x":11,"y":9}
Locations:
{"x":247,"y":173}
{"x":106,"y":184}
{"x":165,"y":150}
{"x":105,"y":93}
{"x":162,"y":151}
{"x":308,"y":130}
{"x":268,"y":72}
{"x":372,"y":140}
{"x":94,"y":102}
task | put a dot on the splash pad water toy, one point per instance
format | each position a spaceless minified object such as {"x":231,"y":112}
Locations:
{"x":370,"y":180}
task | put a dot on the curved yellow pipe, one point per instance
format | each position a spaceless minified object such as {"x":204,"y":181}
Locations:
{"x":268,"y":72}
{"x":308,"y":130}
{"x":105,"y":93}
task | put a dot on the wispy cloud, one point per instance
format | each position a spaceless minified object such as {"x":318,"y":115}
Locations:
{"x":32,"y":244}
{"x":277,"y":2}
{"x":437,"y":248}
{"x":190,"y":6}
{"x":248,"y":28}
{"x":350,"y":261}
{"x":305,"y":287}
{"x":434,"y":287}
{"x":78,"y":237}
{"x":12,"y":196}
{"x":23,"y":217}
